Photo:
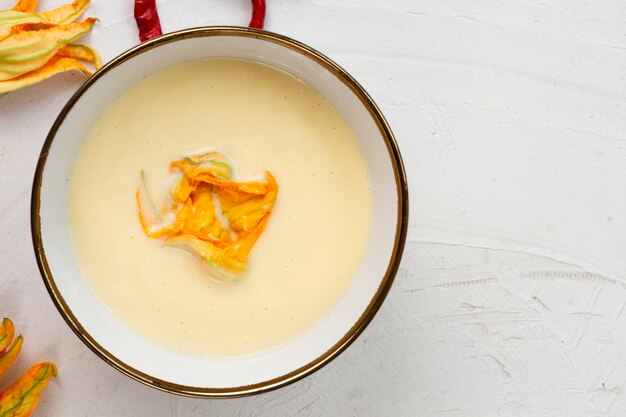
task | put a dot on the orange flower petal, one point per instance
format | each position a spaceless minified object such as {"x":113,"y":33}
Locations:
{"x":27,"y":6}
{"x":220,"y":219}
{"x":203,"y":221}
{"x":9,"y":356}
{"x":244,"y":210}
{"x":212,"y":163}
{"x":53,"y":67}
{"x":66,"y":13}
{"x":154,"y":226}
{"x":237,"y":253}
{"x":7,"y":331}
{"x":27,"y":51}
{"x":11,"y":22}
{"x":183,"y":189}
{"x":227,"y":268}
{"x":21,"y":398}
{"x":81,"y":52}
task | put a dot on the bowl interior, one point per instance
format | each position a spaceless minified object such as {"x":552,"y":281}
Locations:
{"x":152,"y":364}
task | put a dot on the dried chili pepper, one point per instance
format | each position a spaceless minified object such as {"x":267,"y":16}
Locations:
{"x":147,"y":19}
{"x":258,"y":14}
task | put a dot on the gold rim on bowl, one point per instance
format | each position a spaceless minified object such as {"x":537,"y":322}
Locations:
{"x":353,"y":332}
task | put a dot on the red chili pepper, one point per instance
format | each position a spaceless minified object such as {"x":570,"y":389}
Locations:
{"x":258,"y":14}
{"x":147,"y":19}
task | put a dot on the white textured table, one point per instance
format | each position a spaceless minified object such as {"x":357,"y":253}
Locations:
{"x":511,"y":117}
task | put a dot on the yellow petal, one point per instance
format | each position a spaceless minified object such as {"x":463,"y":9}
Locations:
{"x":27,"y":6}
{"x":237,"y":253}
{"x":157,"y":224}
{"x":183,"y":189}
{"x":66,"y":13}
{"x":53,"y":67}
{"x":7,"y":330}
{"x":83,"y":52}
{"x":21,"y":398}
{"x":221,"y":219}
{"x":61,"y":15}
{"x":9,"y":356}
{"x":228,"y":269}
{"x":9,"y":19}
{"x":244,"y":209}
{"x":212,"y":164}
{"x":26,"y":51}
{"x":203,"y":221}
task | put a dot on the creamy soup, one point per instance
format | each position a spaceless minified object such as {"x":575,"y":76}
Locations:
{"x":262,"y":119}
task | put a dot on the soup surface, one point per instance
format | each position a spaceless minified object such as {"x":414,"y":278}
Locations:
{"x":263,"y":119}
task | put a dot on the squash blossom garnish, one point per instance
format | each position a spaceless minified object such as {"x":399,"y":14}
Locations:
{"x":35,"y":46}
{"x":21,"y":398}
{"x":209,"y":214}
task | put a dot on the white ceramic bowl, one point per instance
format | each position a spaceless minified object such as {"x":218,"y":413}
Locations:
{"x":185,"y":375}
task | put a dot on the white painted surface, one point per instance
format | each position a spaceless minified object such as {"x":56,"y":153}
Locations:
{"x":511,"y":117}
